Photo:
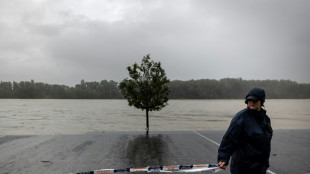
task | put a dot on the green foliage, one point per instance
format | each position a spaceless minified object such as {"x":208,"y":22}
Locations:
{"x":147,"y":88}
{"x":85,"y":90}
{"x":230,"y":88}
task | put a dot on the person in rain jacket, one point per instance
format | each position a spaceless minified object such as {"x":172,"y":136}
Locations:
{"x":247,"y":140}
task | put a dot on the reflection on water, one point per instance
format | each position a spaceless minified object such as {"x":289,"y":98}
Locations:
{"x":81,"y":116}
{"x":143,"y":151}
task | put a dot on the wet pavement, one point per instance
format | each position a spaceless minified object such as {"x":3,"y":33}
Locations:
{"x":64,"y":154}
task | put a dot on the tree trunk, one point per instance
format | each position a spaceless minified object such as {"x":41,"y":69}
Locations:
{"x":147,"y":122}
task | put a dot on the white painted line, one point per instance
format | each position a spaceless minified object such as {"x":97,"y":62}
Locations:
{"x":268,"y":171}
{"x":271,"y":172}
{"x":206,"y":138}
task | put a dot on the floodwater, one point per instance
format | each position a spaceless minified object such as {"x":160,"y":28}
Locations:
{"x":51,"y":117}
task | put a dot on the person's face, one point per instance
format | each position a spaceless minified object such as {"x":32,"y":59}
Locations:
{"x":254,"y":105}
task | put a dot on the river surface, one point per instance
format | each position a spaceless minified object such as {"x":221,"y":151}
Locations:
{"x":51,"y":117}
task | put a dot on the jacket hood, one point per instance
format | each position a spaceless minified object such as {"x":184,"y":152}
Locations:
{"x":257,"y":93}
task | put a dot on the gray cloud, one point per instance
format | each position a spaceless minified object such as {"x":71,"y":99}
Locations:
{"x":66,"y":41}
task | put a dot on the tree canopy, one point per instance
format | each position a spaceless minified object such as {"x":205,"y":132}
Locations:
{"x":147,"y":87}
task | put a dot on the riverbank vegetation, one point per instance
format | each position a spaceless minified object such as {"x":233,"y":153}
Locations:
{"x":228,"y":88}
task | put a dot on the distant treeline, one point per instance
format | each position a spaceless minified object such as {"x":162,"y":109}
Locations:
{"x":231,"y":88}
{"x":228,"y":88}
{"x":37,"y":90}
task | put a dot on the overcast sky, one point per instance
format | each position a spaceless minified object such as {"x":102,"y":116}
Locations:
{"x":65,"y":41}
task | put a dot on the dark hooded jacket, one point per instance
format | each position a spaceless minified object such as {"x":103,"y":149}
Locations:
{"x":247,"y":140}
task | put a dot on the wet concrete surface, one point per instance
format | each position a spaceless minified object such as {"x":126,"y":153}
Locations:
{"x":64,"y":154}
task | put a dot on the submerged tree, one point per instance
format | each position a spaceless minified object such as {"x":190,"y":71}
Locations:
{"x":147,"y":88}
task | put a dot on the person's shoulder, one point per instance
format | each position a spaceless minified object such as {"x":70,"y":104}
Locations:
{"x":265,"y":114}
{"x":241,"y":115}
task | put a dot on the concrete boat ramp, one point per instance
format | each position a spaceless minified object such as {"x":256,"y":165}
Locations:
{"x":63,"y":154}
